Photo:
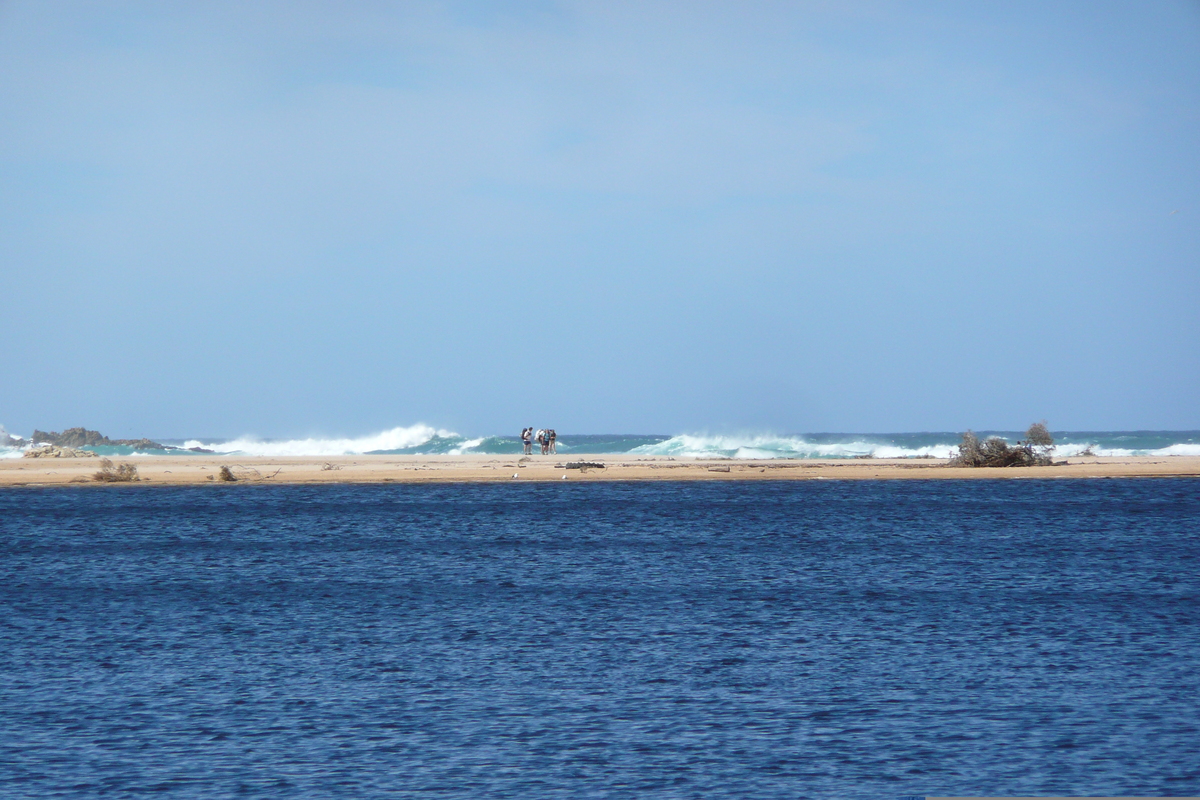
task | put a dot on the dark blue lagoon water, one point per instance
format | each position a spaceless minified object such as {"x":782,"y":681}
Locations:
{"x":746,"y":640}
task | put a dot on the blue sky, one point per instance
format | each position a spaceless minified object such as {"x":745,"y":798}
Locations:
{"x":287,"y":219}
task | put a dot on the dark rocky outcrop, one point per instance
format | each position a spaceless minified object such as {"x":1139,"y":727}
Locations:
{"x":82,"y":437}
{"x":143,"y":444}
{"x":71,"y":437}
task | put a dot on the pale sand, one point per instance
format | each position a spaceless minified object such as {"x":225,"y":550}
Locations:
{"x":202,"y":469}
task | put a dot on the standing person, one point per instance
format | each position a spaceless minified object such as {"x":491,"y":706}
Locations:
{"x":527,"y":439}
{"x":541,"y":439}
{"x":553,"y":439}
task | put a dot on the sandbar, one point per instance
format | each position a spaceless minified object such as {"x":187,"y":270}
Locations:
{"x":481,"y":468}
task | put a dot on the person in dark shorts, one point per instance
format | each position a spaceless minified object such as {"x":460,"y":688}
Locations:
{"x":527,"y":440}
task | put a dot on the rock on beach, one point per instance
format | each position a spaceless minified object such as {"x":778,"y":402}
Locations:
{"x":54,"y":451}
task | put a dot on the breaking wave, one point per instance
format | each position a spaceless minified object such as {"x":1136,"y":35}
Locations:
{"x":8,"y":447}
{"x":768,"y":446}
{"x":1076,"y":450}
{"x":413,"y":439}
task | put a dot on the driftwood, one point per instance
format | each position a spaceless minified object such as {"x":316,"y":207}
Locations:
{"x":244,"y":473}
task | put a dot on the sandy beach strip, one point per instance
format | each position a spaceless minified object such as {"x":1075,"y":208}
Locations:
{"x":473,"y":468}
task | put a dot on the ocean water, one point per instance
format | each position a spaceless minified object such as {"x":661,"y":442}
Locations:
{"x":665,"y":640}
{"x":423,"y":439}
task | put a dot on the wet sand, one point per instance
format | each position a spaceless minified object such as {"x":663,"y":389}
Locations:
{"x":204,"y":469}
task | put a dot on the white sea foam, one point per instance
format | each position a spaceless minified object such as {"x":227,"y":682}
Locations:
{"x":1179,"y":450}
{"x":5,"y":450}
{"x":469,"y":444}
{"x":769,"y":446}
{"x":395,"y":439}
{"x":1075,"y":450}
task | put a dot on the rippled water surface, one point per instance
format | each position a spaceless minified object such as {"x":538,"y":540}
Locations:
{"x":601,"y":640}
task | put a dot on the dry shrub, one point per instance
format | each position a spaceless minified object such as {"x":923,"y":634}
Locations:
{"x":970,"y":451}
{"x":1034,"y":450}
{"x":226,"y":474}
{"x":1038,"y":435}
{"x":124,"y":473}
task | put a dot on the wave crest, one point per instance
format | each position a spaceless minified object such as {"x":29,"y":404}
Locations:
{"x":1074,"y":450}
{"x":395,"y":440}
{"x":768,"y":446}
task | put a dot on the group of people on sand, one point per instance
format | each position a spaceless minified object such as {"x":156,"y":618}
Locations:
{"x":546,"y":437}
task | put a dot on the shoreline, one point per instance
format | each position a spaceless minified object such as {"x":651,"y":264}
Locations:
{"x":478,"y":468}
